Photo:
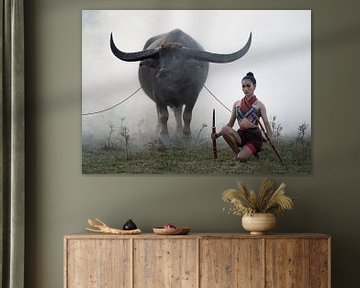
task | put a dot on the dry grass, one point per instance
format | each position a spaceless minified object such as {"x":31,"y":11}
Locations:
{"x":268,"y":200}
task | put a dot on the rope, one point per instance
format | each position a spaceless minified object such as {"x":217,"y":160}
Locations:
{"x":217,"y":99}
{"x":112,"y":107}
{"x":127,"y":98}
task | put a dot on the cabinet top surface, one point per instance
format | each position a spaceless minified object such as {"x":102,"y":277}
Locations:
{"x":87,"y":235}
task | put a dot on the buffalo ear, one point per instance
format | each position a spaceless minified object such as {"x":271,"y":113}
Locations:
{"x":196,"y":63}
{"x":151,"y":63}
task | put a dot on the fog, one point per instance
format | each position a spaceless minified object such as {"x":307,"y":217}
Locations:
{"x":279,"y":57}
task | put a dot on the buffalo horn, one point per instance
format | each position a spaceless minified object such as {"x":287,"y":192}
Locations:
{"x":218,"y":58}
{"x":132,"y":56}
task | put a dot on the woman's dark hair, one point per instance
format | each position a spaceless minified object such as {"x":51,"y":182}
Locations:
{"x":250,"y":76}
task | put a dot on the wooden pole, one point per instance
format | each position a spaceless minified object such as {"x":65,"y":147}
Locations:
{"x":214,"y":138}
{"x":270,"y":143}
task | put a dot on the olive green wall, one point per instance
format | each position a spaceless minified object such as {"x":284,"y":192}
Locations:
{"x":59,"y":198}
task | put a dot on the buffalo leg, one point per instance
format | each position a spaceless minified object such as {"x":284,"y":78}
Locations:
{"x":178,"y":114}
{"x":187,"y":119}
{"x":158,"y":125}
{"x":163,"y":116}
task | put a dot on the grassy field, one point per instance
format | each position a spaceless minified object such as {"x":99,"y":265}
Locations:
{"x":195,"y":160}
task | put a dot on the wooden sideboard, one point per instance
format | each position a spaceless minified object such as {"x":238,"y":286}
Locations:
{"x":197,"y":260}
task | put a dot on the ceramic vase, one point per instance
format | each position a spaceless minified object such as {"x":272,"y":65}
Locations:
{"x":259,"y":223}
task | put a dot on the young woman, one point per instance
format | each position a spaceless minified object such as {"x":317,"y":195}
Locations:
{"x":247,"y":140}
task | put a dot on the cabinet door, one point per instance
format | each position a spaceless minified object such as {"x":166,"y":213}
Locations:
{"x":320,"y":263}
{"x":165,"y":263}
{"x":297,"y":263}
{"x":231,"y":263}
{"x":99,"y":263}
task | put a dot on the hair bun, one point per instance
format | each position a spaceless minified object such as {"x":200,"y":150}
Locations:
{"x":250,"y":76}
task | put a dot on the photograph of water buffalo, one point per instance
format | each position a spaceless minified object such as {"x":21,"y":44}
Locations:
{"x":157,"y":84}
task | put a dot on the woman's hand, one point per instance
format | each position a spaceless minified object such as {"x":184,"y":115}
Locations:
{"x":272,"y":139}
{"x":215,"y":135}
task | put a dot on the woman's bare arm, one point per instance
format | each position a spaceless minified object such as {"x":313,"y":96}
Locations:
{"x":266,"y":121}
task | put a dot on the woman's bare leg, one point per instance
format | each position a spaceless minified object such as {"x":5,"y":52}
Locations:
{"x":232,"y":138}
{"x":244,"y":154}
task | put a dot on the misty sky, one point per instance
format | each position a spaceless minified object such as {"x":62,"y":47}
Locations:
{"x":279,"y":57}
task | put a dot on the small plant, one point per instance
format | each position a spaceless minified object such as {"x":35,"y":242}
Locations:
{"x":301,"y":143}
{"x":140,"y":126}
{"x":124,"y":132}
{"x":245,"y":201}
{"x":276,"y":128}
{"x":109,"y":144}
{"x":198,"y":138}
{"x":302,"y":131}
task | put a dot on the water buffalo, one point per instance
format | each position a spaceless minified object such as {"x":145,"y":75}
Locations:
{"x":173,"y":70}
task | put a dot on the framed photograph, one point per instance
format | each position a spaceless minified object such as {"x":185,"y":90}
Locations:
{"x":157,"y":85}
